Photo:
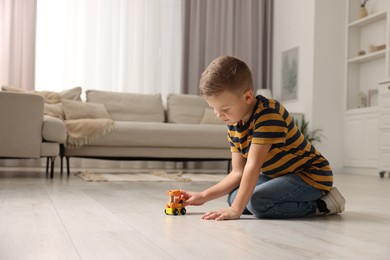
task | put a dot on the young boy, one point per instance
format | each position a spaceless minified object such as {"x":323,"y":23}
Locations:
{"x":276,"y":172}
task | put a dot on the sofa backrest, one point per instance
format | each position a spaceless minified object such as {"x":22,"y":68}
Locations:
{"x":185,"y":108}
{"x":129,"y":106}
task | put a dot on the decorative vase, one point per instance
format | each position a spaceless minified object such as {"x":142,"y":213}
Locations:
{"x":362,"y":12}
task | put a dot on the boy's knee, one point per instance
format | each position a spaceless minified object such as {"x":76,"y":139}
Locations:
{"x":230,"y":200}
{"x":260,"y":206}
{"x":232,"y":195}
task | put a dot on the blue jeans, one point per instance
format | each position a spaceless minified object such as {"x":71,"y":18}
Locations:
{"x":287,"y":196}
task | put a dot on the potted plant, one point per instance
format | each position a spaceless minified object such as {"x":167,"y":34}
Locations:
{"x":312,"y":135}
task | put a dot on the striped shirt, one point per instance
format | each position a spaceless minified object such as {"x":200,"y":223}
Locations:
{"x":290,"y":152}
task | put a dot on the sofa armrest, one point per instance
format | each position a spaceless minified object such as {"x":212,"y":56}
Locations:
{"x":53,"y":130}
{"x":21,"y":118}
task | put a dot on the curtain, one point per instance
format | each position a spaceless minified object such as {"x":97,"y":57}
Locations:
{"x":121,"y":45}
{"x":227,"y":27}
{"x":17,"y":43}
{"x":129,"y":46}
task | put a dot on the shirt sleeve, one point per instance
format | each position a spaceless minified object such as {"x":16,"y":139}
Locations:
{"x":270,"y":128}
{"x":233,"y":147}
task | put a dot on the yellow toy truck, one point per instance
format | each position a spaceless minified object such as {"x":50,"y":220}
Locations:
{"x":175,"y":204}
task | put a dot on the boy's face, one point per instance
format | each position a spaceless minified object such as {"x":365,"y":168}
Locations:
{"x":231,"y":108}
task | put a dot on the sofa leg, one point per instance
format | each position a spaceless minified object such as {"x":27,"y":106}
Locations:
{"x":61,"y":164}
{"x":62,"y":154}
{"x":52,"y":159}
{"x":67,"y":165}
{"x":47,"y":165}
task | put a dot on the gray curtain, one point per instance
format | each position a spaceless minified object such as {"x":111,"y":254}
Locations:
{"x":242,"y":28}
{"x":17,"y":43}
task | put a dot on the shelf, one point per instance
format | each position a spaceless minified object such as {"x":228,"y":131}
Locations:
{"x":362,"y":110}
{"x":369,"y":19}
{"x":368,"y":57}
{"x":384,"y":81}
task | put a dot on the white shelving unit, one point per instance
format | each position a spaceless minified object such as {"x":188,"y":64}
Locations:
{"x":365,"y":67}
{"x":384,"y":128}
{"x":364,"y":71}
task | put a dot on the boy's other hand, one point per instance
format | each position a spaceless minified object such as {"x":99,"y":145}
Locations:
{"x":193,"y":198}
{"x":222,"y":214}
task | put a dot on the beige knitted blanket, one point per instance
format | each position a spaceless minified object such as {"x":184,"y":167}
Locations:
{"x":84,"y":131}
{"x":79,"y":131}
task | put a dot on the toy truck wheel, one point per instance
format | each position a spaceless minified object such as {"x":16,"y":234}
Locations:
{"x":183,"y":211}
{"x":165,"y":212}
{"x":175,"y":212}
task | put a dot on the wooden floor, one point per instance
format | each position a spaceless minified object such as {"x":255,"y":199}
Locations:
{"x":68,"y":218}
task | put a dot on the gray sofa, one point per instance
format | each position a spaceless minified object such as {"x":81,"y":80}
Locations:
{"x":183,"y":129}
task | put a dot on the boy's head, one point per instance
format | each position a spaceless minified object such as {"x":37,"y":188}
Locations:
{"x":227,"y":87}
{"x":226,"y":73}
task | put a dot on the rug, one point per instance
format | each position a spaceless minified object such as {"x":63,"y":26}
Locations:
{"x":156,"y":176}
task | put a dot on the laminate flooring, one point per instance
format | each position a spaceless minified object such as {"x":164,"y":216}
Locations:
{"x":68,"y":218}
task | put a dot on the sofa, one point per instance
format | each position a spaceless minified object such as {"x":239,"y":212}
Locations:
{"x":182,"y":129}
{"x":25,"y":132}
{"x":109,"y":125}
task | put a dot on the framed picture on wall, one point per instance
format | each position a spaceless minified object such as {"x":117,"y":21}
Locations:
{"x":290,"y":74}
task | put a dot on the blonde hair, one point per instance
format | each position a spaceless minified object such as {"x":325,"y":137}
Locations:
{"x":226,"y":73}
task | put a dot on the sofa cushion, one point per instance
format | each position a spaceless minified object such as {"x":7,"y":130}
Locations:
{"x":50,"y":97}
{"x":209,"y":117}
{"x":151,"y":134}
{"x":54,"y":110}
{"x":80,"y":110}
{"x":184,"y":108}
{"x":53,"y":130}
{"x":129,"y":106}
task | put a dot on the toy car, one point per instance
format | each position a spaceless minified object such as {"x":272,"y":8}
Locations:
{"x":175,"y":204}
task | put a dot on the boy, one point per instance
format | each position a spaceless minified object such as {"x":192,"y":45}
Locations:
{"x":276,"y":172}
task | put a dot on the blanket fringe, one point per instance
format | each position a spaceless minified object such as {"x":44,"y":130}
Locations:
{"x":75,"y":142}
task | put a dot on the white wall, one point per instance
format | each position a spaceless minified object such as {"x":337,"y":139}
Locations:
{"x":329,"y":74}
{"x":317,"y":28}
{"x":294,"y":27}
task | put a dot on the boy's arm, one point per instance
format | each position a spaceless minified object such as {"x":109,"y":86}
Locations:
{"x":231,"y":181}
{"x":256,"y":157}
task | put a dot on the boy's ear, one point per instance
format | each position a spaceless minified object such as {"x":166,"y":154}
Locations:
{"x":249,"y":96}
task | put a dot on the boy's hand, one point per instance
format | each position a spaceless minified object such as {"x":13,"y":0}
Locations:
{"x":193,"y":198}
{"x":222,"y":214}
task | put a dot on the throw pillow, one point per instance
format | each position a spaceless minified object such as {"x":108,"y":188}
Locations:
{"x":50,"y":97}
{"x":71,"y":94}
{"x":209,"y":117}
{"x":13,"y":89}
{"x":54,"y":110}
{"x":81,"y":110}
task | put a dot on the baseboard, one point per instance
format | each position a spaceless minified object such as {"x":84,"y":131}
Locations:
{"x":361,"y":171}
